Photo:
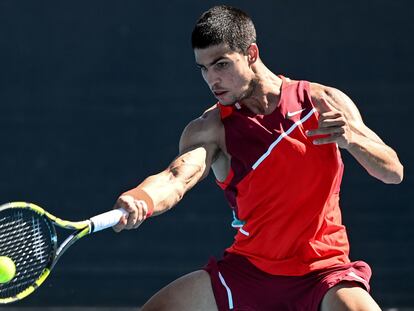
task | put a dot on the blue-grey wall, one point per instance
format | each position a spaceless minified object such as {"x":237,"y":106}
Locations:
{"x":94,"y":96}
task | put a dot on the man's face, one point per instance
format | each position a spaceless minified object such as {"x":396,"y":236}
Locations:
{"x":226,"y":72}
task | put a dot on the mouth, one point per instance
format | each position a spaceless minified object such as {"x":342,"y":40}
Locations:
{"x":219,"y":93}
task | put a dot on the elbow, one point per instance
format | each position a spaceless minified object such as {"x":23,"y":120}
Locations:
{"x":400,"y":174}
{"x":395,"y":176}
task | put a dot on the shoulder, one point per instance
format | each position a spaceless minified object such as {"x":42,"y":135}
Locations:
{"x":319,"y":91}
{"x":323,"y":95}
{"x":205,"y":129}
{"x":208,"y":122}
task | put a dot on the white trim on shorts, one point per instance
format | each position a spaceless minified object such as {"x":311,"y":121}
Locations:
{"x":229,"y":294}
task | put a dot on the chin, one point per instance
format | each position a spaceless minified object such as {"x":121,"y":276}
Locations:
{"x":228,"y":102}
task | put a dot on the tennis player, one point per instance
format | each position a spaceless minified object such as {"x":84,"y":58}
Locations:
{"x":274,"y":146}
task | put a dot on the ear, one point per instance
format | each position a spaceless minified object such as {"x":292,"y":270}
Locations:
{"x":252,"y":53}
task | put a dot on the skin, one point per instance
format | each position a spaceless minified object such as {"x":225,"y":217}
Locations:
{"x":236,"y":77}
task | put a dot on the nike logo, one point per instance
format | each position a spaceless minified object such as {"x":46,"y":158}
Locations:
{"x":289,"y":114}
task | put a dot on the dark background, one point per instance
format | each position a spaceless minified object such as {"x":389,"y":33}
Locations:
{"x":94,"y":96}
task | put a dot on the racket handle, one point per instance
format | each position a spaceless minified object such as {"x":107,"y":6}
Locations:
{"x":108,"y":219}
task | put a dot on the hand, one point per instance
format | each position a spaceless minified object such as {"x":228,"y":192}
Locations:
{"x":137,"y":210}
{"x":333,"y":123}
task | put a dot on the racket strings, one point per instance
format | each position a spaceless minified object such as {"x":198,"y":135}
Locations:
{"x":25,"y":237}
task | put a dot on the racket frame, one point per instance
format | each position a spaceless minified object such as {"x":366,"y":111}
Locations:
{"x":83,"y":228}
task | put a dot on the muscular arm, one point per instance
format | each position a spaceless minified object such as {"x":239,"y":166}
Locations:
{"x":197,"y":151}
{"x":342,"y":122}
{"x":168,"y":187}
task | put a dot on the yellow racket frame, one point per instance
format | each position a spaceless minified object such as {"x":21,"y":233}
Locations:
{"x":83,"y":228}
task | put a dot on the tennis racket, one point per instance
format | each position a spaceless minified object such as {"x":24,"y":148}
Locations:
{"x":28,"y":237}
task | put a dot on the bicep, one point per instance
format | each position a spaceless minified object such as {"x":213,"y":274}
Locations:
{"x":325,"y":98}
{"x":350,"y":109}
{"x":196,"y":147}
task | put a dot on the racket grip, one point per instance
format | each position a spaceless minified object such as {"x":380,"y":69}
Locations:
{"x":108,"y":219}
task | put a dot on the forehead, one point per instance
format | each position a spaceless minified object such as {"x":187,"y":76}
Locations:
{"x":212,"y":53}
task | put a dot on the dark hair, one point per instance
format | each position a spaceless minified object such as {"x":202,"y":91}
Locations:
{"x":224,"y":24}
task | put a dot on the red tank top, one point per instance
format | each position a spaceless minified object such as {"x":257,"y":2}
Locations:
{"x":284,"y":190}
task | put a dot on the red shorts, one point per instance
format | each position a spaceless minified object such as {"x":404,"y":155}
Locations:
{"x":238,"y":285}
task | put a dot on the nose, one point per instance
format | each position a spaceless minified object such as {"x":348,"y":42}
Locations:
{"x":211,"y":78}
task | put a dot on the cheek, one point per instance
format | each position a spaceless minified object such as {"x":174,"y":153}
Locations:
{"x":243,"y":75}
{"x":241,"y":81}
{"x":236,"y":78}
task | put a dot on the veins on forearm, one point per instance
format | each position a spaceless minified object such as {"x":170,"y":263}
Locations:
{"x":185,"y":172}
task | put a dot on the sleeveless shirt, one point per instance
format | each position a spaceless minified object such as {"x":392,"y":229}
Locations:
{"x":283,"y":189}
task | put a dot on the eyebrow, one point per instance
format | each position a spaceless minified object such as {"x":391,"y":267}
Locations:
{"x":212,"y":63}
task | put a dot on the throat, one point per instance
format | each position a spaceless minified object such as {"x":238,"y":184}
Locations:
{"x":262,"y":107}
{"x":264,"y":98}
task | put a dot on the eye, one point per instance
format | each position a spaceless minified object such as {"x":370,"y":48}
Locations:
{"x":222,"y":65}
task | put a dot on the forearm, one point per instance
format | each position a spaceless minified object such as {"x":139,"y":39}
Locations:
{"x":378,"y":159}
{"x":168,"y":187}
{"x":166,"y":190}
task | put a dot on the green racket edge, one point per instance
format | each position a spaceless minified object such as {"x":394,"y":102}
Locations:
{"x":61,"y":223}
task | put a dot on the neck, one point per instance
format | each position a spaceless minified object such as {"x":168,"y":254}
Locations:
{"x":266,"y":91}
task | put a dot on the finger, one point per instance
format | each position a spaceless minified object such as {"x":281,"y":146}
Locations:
{"x":127,"y":203}
{"x":332,"y":123}
{"x":142,"y":212}
{"x":121,"y":203}
{"x":326,"y":131}
{"x":133,"y":215}
{"x":326,"y":140}
{"x":139,"y":205}
{"x":120,"y":225}
{"x":329,"y":115}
